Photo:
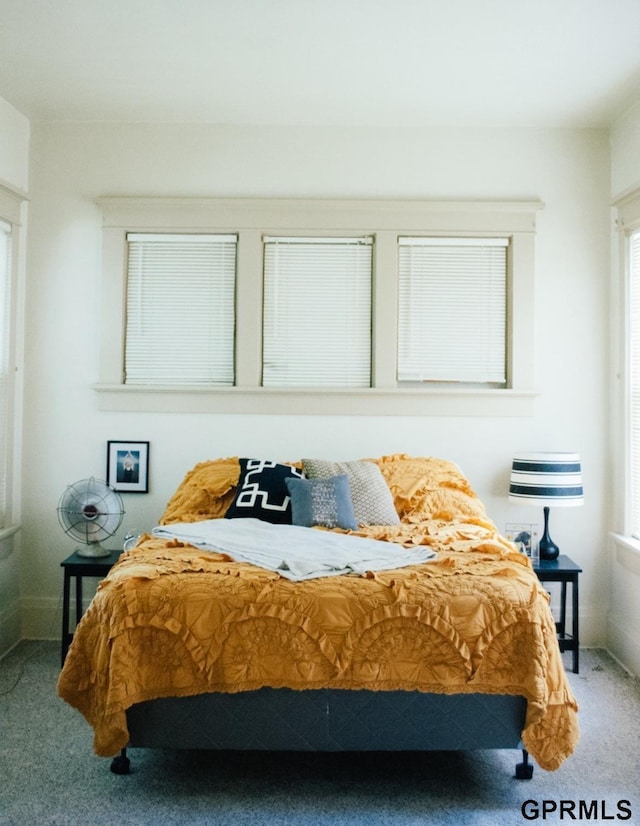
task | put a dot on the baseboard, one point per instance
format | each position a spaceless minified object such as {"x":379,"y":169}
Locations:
{"x":623,"y":647}
{"x":41,"y":618}
{"x":10,"y":627}
{"x":592,"y":622}
{"x":593,"y":629}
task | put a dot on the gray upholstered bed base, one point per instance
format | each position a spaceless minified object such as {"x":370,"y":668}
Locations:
{"x":329,"y":720}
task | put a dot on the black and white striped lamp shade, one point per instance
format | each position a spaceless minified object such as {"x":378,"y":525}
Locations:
{"x":552,"y":479}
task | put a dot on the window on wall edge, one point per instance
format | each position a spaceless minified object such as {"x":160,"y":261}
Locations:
{"x":633,"y":257}
{"x":626,"y":302}
{"x":12,"y":215}
{"x":6,"y":417}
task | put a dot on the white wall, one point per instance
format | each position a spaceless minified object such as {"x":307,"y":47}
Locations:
{"x":66,"y":434}
{"x":623,"y":624}
{"x":14,"y":147}
{"x":14,"y":173}
{"x":625,"y":152}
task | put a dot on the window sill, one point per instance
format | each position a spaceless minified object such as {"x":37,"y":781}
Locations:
{"x":5,"y":533}
{"x":8,"y":548}
{"x":627,"y":552}
{"x":316,"y":401}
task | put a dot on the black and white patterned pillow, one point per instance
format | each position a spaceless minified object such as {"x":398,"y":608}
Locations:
{"x":262,"y":492}
{"x":370,"y":494}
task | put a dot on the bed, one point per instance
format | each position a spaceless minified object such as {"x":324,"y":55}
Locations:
{"x":187,"y":644}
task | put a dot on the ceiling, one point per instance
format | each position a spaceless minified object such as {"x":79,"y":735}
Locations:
{"x":408,"y":63}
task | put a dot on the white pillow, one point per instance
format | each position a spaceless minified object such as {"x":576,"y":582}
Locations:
{"x":370,"y":494}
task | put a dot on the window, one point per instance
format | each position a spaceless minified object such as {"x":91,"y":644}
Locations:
{"x":317,"y":312}
{"x":5,"y":369}
{"x":320,"y":307}
{"x":634,"y":379}
{"x":12,"y":206}
{"x":453,"y":310}
{"x":180,"y":309}
{"x":626,"y":302}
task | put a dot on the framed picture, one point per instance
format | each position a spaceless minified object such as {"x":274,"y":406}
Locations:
{"x":128,"y":466}
{"x":524,"y":536}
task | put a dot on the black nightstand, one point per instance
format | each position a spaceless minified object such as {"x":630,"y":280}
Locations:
{"x":564,"y":570}
{"x":79,"y":567}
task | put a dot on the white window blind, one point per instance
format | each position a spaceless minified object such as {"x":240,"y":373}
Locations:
{"x":634,"y":272}
{"x":317,"y":312}
{"x":5,"y":374}
{"x":180,"y":324}
{"x":452,"y":323}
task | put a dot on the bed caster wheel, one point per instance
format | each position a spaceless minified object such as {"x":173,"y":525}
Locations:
{"x":524,"y":770}
{"x":121,"y":764}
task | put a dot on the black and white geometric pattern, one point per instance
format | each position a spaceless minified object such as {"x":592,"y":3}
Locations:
{"x":262,"y":492}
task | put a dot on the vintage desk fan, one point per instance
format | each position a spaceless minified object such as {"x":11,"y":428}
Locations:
{"x":90,"y":511}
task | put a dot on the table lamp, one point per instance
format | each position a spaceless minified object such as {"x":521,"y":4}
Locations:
{"x":548,"y":479}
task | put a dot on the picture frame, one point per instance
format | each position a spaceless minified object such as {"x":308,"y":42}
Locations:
{"x":525,"y":536}
{"x":128,"y":466}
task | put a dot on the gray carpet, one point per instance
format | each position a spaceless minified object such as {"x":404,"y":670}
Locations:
{"x":49,"y":774}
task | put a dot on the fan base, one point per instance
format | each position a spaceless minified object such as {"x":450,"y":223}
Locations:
{"x":94,"y":550}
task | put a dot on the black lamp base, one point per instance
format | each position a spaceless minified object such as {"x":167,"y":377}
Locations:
{"x":547,"y":547}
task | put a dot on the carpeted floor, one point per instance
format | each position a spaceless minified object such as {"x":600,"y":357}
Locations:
{"x":49,"y":774}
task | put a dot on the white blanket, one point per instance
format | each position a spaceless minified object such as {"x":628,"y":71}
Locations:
{"x":294,"y":552}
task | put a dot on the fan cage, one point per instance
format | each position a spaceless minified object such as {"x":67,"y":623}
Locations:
{"x":90,"y":510}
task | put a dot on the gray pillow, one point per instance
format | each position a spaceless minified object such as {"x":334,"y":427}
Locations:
{"x":370,"y":494}
{"x":325,"y":502}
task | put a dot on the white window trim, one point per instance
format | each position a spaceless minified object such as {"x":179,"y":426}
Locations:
{"x":13,"y":205}
{"x":386,"y":220}
{"x":627,"y":221}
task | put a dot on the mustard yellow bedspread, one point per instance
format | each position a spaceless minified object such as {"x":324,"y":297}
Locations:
{"x":170,"y":620}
